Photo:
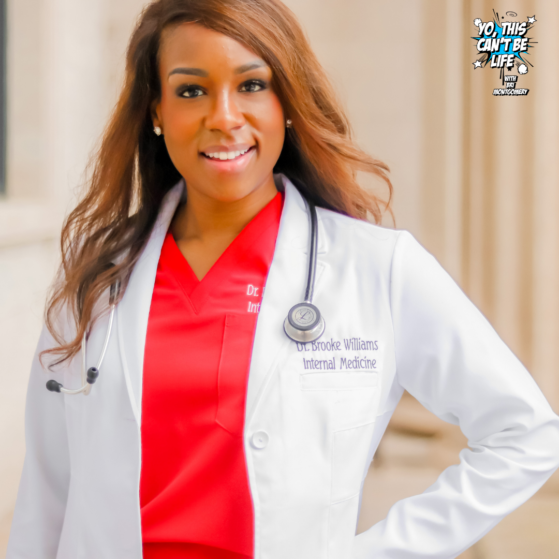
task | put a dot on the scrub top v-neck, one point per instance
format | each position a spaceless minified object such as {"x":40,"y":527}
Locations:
{"x":194,"y":492}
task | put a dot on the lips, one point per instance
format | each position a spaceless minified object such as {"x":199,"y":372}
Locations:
{"x":234,"y":165}
{"x":221,"y":148}
{"x":246,"y":150}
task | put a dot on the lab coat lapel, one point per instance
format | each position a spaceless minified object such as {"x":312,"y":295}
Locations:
{"x":133,"y":311}
{"x":285,"y":287}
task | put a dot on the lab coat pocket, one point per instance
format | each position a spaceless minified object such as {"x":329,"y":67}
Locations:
{"x":339,"y":380}
{"x":342,"y":525}
{"x":350,"y":448}
{"x":233,"y":370}
{"x":355,"y":394}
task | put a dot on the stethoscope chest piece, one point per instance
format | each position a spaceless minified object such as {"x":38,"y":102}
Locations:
{"x":304,"y":323}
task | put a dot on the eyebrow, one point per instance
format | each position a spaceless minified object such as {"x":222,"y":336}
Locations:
{"x":203,"y":74}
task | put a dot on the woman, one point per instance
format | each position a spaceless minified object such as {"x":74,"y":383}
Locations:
{"x":208,"y":434}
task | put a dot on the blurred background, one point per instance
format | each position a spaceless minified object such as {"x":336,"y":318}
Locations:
{"x":476,"y":180}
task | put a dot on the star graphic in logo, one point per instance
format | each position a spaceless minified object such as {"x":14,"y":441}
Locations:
{"x":477,"y":64}
{"x":532,"y":19}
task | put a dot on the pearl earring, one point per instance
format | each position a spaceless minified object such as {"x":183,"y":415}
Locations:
{"x":157,"y":130}
{"x":288,"y":123}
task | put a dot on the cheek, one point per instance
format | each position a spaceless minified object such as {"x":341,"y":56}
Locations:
{"x":272,"y":125}
{"x":180,"y":131}
{"x":180,"y":124}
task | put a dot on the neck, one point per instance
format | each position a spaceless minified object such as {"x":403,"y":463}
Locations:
{"x":205,"y":226}
{"x":205,"y":218}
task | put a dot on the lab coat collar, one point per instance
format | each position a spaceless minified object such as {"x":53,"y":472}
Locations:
{"x":284,"y":288}
{"x":295,"y":222}
{"x":133,"y":310}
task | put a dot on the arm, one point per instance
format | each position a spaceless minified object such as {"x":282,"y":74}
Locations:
{"x":41,"y":500}
{"x":450,"y":358}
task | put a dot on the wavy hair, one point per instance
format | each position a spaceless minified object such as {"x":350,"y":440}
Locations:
{"x":132,"y":171}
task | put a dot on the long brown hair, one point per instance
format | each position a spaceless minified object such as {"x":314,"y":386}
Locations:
{"x":132,"y":170}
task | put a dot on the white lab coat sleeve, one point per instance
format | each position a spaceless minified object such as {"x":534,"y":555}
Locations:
{"x":43,"y":489}
{"x":450,"y":358}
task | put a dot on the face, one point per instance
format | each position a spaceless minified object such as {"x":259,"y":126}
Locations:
{"x":217,"y":101}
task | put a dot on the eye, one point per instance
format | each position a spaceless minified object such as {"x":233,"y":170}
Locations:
{"x":188,"y":91}
{"x":258,"y":83}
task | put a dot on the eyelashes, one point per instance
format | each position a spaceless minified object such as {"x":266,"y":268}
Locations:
{"x":188,"y":91}
{"x":260,"y":83}
{"x":193,"y":91}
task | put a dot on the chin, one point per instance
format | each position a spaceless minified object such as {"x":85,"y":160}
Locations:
{"x":229,"y":195}
{"x":228,"y":189}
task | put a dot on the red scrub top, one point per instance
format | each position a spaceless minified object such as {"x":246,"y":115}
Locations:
{"x":194,"y":492}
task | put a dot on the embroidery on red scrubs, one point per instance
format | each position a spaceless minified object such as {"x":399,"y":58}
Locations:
{"x":194,"y":492}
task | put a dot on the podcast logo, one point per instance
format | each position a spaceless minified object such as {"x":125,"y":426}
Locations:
{"x":503,"y":45}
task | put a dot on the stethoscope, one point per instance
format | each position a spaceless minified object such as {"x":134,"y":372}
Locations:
{"x":303,"y":324}
{"x":92,"y":374}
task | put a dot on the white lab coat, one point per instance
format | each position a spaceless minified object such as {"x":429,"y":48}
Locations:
{"x":310,"y":431}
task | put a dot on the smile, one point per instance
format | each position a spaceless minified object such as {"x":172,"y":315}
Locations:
{"x":226,"y":155}
{"x":229,"y":160}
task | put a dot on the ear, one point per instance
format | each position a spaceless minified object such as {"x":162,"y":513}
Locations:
{"x":155,"y":111}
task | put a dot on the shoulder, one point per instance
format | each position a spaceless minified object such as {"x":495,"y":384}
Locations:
{"x":357,"y":235}
{"x":393,"y":254}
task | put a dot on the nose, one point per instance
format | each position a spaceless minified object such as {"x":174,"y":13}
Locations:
{"x":224,"y":114}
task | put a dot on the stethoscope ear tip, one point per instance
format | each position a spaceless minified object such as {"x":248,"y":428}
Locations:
{"x":92,"y":374}
{"x":54,"y":386}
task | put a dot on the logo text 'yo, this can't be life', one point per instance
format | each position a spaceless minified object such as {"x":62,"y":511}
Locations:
{"x":504,"y":45}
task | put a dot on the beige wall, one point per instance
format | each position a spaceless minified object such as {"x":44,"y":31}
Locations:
{"x":476,"y":177}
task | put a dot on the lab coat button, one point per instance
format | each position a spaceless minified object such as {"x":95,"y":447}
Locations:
{"x":260,"y":439}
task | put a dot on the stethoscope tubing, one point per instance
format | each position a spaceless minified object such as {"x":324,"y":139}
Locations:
{"x":309,"y":291}
{"x":86,"y":388}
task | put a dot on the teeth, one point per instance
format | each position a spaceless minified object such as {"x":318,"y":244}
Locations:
{"x":226,"y":155}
